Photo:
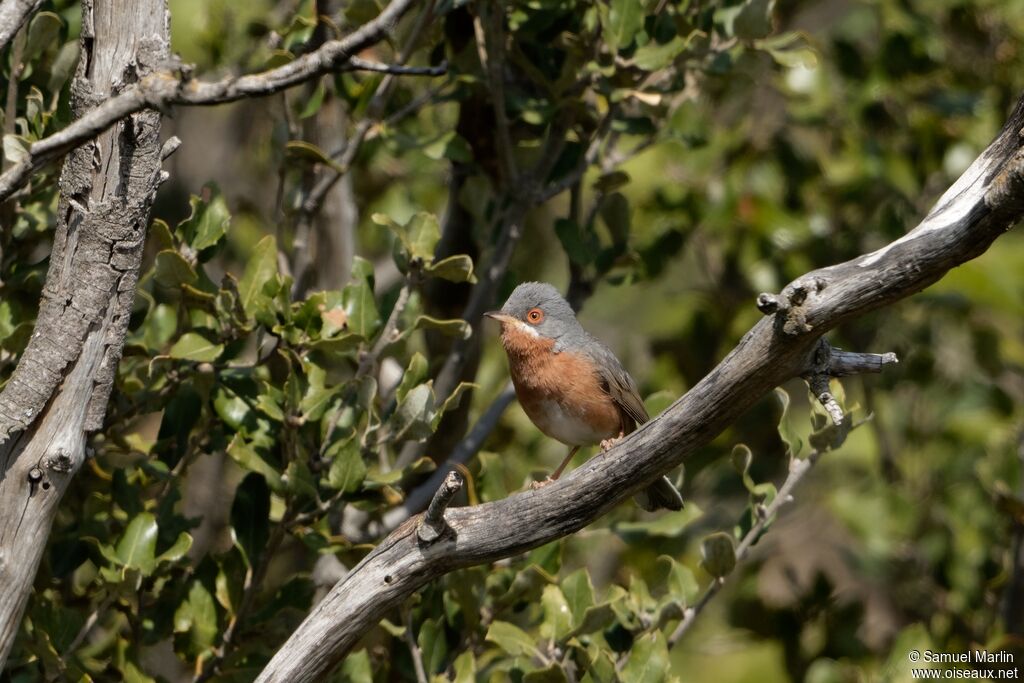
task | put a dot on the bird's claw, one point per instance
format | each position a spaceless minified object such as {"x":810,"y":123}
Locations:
{"x":607,"y":444}
{"x":536,"y":485}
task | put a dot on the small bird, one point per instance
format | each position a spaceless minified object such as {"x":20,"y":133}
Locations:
{"x":570,"y":384}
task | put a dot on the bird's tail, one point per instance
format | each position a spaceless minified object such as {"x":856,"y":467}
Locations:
{"x":660,"y":494}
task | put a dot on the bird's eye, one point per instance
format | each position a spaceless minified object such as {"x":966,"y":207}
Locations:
{"x":535,"y":316}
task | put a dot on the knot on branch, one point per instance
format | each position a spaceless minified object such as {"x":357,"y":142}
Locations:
{"x":827,"y":362}
{"x":790,"y":303}
{"x":61,"y":462}
{"x":36,"y":478}
{"x":433,"y":525}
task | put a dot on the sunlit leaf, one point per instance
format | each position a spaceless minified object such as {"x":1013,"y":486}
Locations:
{"x":195,"y":347}
{"x":262,"y":266}
{"x":648,"y":660}
{"x":512,"y":639}
{"x":137,"y":547}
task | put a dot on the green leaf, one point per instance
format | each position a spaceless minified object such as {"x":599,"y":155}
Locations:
{"x":558,"y":618}
{"x":741,"y":457}
{"x":299,"y":150}
{"x":363,"y":318}
{"x":668,"y":525}
{"x":648,"y":660}
{"x":452,"y":328}
{"x":347,"y":470}
{"x":232,"y":409}
{"x":173,"y":271}
{"x":654,"y":55}
{"x":433,"y":645}
{"x":615,"y":213}
{"x":208,"y":222}
{"x":299,"y":480}
{"x":16,"y":148}
{"x":195,"y":347}
{"x":197,"y":616}
{"x":582,"y":248}
{"x":177,"y":551}
{"x":414,"y":375}
{"x":356,"y":668}
{"x":786,"y":431}
{"x":418,"y":238}
{"x":465,"y":668}
{"x":137,"y":547}
{"x":43,"y":33}
{"x":458,"y":268}
{"x":804,"y":57}
{"x":611,"y":181}
{"x":678,"y":581}
{"x":552,"y":673}
{"x":579,"y":593}
{"x":452,"y":402}
{"x":718,"y":554}
{"x":413,"y":418}
{"x":63,"y":65}
{"x":251,"y":461}
{"x":754,"y":20}
{"x":451,"y":146}
{"x":314,"y":103}
{"x":512,"y":639}
{"x":261,"y":267}
{"x":625,"y":17}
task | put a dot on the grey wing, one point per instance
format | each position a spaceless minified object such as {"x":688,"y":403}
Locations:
{"x":618,"y":382}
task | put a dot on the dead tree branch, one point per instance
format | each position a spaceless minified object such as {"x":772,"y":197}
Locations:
{"x":985,"y":202}
{"x":107,"y":189}
{"x":167,"y":87}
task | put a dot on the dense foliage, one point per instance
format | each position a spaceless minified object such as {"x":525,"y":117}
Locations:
{"x":669,"y":159}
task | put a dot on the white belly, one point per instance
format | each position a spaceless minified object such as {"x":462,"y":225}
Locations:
{"x":565,"y":425}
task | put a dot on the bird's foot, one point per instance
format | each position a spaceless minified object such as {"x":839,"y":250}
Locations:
{"x":607,"y":444}
{"x":535,"y":485}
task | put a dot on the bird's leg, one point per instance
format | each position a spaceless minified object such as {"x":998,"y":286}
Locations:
{"x":606,"y":444}
{"x":558,"y":472}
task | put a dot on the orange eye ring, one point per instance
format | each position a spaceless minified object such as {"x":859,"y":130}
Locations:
{"x":535,"y":316}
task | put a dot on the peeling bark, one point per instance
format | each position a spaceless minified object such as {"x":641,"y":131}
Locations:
{"x":59,"y":391}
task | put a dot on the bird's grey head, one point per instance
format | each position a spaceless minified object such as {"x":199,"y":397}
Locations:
{"x":537,"y":307}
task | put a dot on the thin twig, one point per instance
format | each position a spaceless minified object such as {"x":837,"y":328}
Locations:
{"x":433,"y":526}
{"x":798,"y":467}
{"x":162,"y":89}
{"x":414,"y":648}
{"x":87,"y":627}
{"x":357,"y":64}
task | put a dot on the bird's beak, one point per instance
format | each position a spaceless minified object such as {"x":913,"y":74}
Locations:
{"x":499,"y":316}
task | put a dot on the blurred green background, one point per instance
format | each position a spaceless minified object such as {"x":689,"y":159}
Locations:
{"x":784,"y":136}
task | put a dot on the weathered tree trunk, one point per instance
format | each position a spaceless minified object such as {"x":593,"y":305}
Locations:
{"x":59,"y":391}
